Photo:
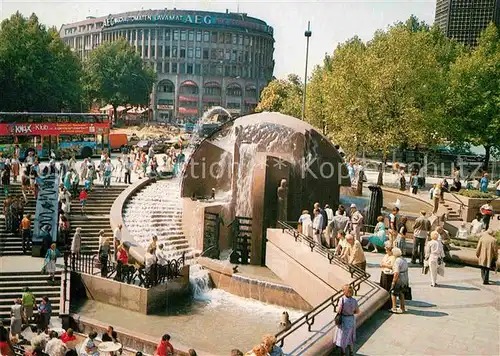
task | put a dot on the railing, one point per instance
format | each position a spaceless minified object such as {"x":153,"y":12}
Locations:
{"x":211,"y":235}
{"x":242,"y":237}
{"x":359,"y":276}
{"x":131,"y":274}
{"x":461,"y":204}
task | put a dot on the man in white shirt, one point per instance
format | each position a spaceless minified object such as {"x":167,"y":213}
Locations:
{"x":55,"y":347}
{"x":463,"y":232}
{"x":161,"y":258}
{"x":149,"y":259}
{"x":329,"y":235}
{"x":117,"y":237}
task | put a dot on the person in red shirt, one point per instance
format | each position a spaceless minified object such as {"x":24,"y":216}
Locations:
{"x":68,"y":336}
{"x":83,"y":198}
{"x":122,"y":254}
{"x":164,"y":348}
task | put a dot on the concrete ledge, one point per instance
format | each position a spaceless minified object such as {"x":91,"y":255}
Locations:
{"x":223,"y":278}
{"x":116,"y":217}
{"x":131,"y":340}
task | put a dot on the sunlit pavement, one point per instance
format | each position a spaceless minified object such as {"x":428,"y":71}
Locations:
{"x":460,"y":316}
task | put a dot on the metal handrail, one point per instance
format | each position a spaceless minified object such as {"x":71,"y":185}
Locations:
{"x":462,"y":205}
{"x":309,"y":317}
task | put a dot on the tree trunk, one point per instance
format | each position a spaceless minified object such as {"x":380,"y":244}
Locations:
{"x":487,"y":154}
{"x":115,"y":115}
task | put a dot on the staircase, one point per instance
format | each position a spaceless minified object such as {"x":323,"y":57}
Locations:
{"x":11,"y":244}
{"x":13,"y":283}
{"x":157,"y":210}
{"x":96,"y":216}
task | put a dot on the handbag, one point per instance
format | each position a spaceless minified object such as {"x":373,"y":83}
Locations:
{"x":338,"y":319}
{"x":407,"y":293}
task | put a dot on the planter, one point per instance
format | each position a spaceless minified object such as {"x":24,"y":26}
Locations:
{"x":472,"y":205}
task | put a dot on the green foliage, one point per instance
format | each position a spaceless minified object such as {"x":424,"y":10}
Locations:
{"x":114,"y":73}
{"x":38,"y":72}
{"x":284,"y":96}
{"x":471,"y":193}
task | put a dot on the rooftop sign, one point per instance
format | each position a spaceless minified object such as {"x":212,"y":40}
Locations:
{"x":192,"y":19}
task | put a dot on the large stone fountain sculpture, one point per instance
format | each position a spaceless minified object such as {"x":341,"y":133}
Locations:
{"x":260,"y":162}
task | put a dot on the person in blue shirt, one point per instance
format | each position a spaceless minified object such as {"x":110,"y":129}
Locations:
{"x":483,"y":183}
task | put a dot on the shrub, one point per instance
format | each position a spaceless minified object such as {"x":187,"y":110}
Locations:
{"x":475,"y":194}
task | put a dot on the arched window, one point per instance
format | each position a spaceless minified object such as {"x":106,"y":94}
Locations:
{"x":189,"y":88}
{"x":165,"y":86}
{"x":233,"y":89}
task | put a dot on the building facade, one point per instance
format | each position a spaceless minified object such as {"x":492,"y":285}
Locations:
{"x":202,"y":59}
{"x":464,"y":20}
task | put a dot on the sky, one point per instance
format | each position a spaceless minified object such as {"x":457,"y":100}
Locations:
{"x":332,"y":21}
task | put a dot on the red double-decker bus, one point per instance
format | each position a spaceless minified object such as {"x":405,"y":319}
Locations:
{"x":65,"y":134}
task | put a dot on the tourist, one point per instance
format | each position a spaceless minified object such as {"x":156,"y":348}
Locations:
{"x":341,"y":211}
{"x":341,"y":243}
{"x":402,"y":180}
{"x":55,"y":347}
{"x":29,"y":303}
{"x":387,"y":273}
{"x":76,"y":243}
{"x":329,"y":224}
{"x":50,"y":261}
{"x":64,"y":230}
{"x":436,"y":196}
{"x":5,"y":345}
{"x":122,"y":254}
{"x":83,"y":198}
{"x":305,"y":223}
{"x":457,"y":185}
{"x":487,"y":254}
{"x":149,"y":259}
{"x":119,"y":170}
{"x":462,"y":232}
{"x":115,"y":340}
{"x":69,"y":339}
{"x":354,"y":254}
{"x":434,"y":257}
{"x":236,"y":352}
{"x":100,"y":170}
{"x":25,"y":185}
{"x":477,"y":225}
{"x":25,"y":228}
{"x":356,"y":222}
{"x":107,"y":173}
{"x":317,"y":225}
{"x":340,"y":222}
{"x":400,"y":241}
{"x":16,"y":318}
{"x":89,"y":348}
{"x":84,"y":168}
{"x":346,"y":331}
{"x":444,"y":238}
{"x":160,"y":255}
{"x":44,"y":313}
{"x":153,"y":243}
{"x":67,"y":181}
{"x":258,"y":350}
{"x":37,"y":346}
{"x":379,"y":237}
{"x":486,"y":212}
{"x":128,"y":171}
{"x":324,"y":221}
{"x":164,"y":348}
{"x":117,"y":238}
{"x":15,"y":166}
{"x":103,"y":254}
{"x":421,"y":230}
{"x":393,"y":219}
{"x":75,"y":182}
{"x":483,"y":183}
{"x":108,"y":335}
{"x":400,"y":281}
{"x":6,"y":179}
{"x":269,"y":342}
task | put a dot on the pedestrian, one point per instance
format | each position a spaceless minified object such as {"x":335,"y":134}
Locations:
{"x":436,"y":197}
{"x":164,"y":348}
{"x":74,"y":184}
{"x":16,"y":166}
{"x":76,"y":243}
{"x":6,"y":180}
{"x":345,"y":337}
{"x":26,"y":232}
{"x":128,"y":171}
{"x":387,"y":273}
{"x":16,"y":319}
{"x":316,"y":225}
{"x":356,"y":222}
{"x":305,"y":223}
{"x":107,"y":173}
{"x":5,"y":344}
{"x":329,"y":225}
{"x":354,"y":254}
{"x":487,"y":254}
{"x":476,"y":226}
{"x":400,"y":241}
{"x":50,"y":261}
{"x":483,"y":183}
{"x":421,"y":230}
{"x":117,"y":237}
{"x":103,"y":254}
{"x":402,"y":180}
{"x":44,"y":314}
{"x":486,"y":212}
{"x":29,"y":303}
{"x":379,"y":236}
{"x":269,"y":342}
{"x":119,"y":170}
{"x":434,"y":257}
{"x":457,"y":185}
{"x":400,"y":281}
{"x":83,"y":199}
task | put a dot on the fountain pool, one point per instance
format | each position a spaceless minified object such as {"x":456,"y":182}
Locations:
{"x":212,"y":320}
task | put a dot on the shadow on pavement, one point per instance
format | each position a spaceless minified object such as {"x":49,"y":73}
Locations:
{"x":446,"y":286}
{"x":428,"y":314}
{"x":419,"y":304}
{"x":365,"y":331}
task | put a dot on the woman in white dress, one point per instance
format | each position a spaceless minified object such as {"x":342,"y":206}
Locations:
{"x":434,"y":256}
{"x":305,"y":223}
{"x":317,"y":226}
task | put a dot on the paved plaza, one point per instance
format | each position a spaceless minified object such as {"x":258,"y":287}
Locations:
{"x":460,"y":316}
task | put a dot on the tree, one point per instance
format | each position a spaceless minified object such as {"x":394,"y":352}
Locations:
{"x":474,"y":95}
{"x":282,"y":95}
{"x":38,"y":72}
{"x":114,"y":73}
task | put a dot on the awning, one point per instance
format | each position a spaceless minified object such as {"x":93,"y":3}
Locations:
{"x":190,"y":99}
{"x":233,"y":85}
{"x":183,"y":110}
{"x":211,"y":100}
{"x":189,"y":83}
{"x":120,"y":108}
{"x":211,"y":85}
{"x":106,"y":108}
{"x":250,"y":87}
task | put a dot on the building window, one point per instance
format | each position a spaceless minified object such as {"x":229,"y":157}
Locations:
{"x":139,"y":35}
{"x":191,"y":36}
{"x":153,"y":51}
{"x":214,"y":37}
{"x":206,"y":36}
{"x":227,"y":71}
{"x":190,"y":52}
{"x":153,"y":34}
{"x":197,"y":69}
{"x":198,"y":36}
{"x":189,"y":68}
{"x":235,"y":39}
{"x":213,"y":91}
{"x":236,"y":106}
{"x":233,"y":91}
{"x":139,"y":50}
{"x":174,"y":51}
{"x":183,"y":35}
{"x":213,"y":69}
{"x":182,"y":69}
{"x":233,"y":55}
{"x":174,"y":67}
{"x":160,"y":51}
{"x":176,"y":35}
{"x":220,"y":54}
{"x":251,"y":93}
{"x":167,"y":35}
{"x":134,"y":34}
{"x":205,"y":53}
{"x":228,"y":55}
{"x":160,"y":34}
{"x":240,"y":40}
{"x":189,"y":90}
{"x":198,"y":52}
{"x":183,"y":52}
{"x":246,"y":41}
{"x":218,"y":70}
{"x":205,"y":69}
{"x":167,"y":52}
{"x":213,"y":53}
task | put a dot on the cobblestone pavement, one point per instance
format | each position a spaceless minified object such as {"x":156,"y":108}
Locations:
{"x":460,"y":316}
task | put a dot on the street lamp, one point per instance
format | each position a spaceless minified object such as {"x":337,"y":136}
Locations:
{"x":150,"y":105}
{"x":307,"y":34}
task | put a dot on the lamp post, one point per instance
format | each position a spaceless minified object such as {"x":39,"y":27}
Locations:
{"x":307,"y":34}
